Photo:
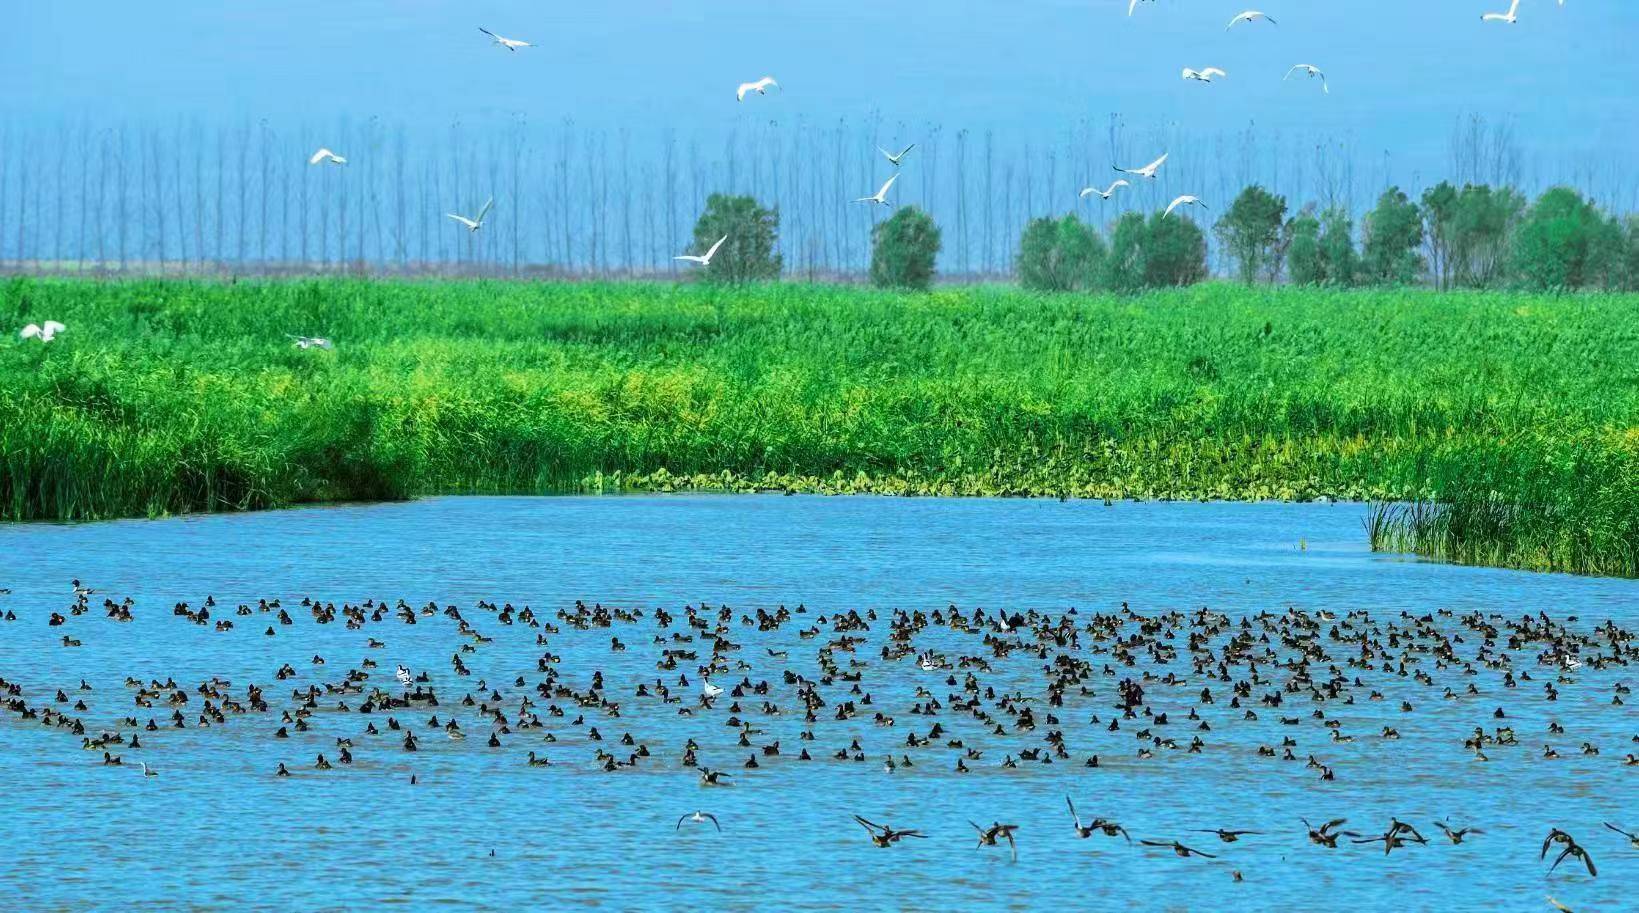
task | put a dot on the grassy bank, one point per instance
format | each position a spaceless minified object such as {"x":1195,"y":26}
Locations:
{"x":1518,"y":415}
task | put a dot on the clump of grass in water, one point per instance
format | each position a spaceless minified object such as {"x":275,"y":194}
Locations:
{"x":166,"y":397}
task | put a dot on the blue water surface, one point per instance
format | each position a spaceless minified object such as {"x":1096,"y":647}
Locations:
{"x":481,"y":829}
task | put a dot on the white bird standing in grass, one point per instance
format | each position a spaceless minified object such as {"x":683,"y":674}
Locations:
{"x":760,"y":87}
{"x":1185,"y":200}
{"x":312,"y":342}
{"x":896,"y":159}
{"x":1250,"y":16}
{"x":1148,"y":171}
{"x":325,"y":155}
{"x":1106,"y":192}
{"x":510,"y":44}
{"x":1203,"y":75}
{"x":1510,"y":17}
{"x":881,"y":196}
{"x":1313,"y":71}
{"x":45,"y":333}
{"x":474,"y":224}
{"x":705,"y":261}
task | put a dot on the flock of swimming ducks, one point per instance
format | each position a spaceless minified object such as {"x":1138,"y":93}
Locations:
{"x":1167,"y":681}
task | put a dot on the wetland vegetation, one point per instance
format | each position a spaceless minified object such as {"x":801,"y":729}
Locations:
{"x":1509,"y":422}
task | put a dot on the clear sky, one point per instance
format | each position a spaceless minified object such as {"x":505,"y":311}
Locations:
{"x":1401,"y":71}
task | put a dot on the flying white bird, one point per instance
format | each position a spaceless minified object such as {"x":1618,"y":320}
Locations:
{"x":1148,"y":171}
{"x":881,"y":197}
{"x":706,"y":261}
{"x":1185,"y":200}
{"x":700,"y":818}
{"x":1133,"y":5}
{"x":1249,"y":16}
{"x":311,"y":342}
{"x":325,"y":155}
{"x":1106,"y":193}
{"x":896,"y":159}
{"x":1313,"y":71}
{"x":510,"y":44}
{"x":706,"y":687}
{"x":1203,"y":75}
{"x":760,"y":87}
{"x":474,"y":224}
{"x":44,"y":333}
{"x":1510,"y":17}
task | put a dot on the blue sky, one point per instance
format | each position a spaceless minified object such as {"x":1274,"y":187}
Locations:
{"x":1401,"y":71}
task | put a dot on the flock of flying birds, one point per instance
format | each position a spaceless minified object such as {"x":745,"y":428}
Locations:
{"x":324,"y":155}
{"x":909,"y":689}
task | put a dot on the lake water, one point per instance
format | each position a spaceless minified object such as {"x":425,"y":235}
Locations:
{"x":216,"y":829}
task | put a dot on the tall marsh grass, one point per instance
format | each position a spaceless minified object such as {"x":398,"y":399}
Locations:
{"x":1515,"y":417}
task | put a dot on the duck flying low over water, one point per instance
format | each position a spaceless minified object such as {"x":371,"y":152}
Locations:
{"x":885,"y":836}
{"x":1096,"y":826}
{"x":1178,"y":849}
{"x":700,"y":818}
{"x":995,"y":833}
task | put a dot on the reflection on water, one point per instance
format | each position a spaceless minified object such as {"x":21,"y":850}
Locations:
{"x":217,"y":830}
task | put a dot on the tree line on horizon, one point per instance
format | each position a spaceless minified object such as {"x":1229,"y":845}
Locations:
{"x":1473,"y":237}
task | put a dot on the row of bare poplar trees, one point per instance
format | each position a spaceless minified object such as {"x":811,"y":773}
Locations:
{"x":573,"y":200}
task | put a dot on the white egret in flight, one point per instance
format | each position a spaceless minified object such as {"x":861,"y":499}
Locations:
{"x":1106,"y":193}
{"x":1313,"y":72}
{"x":474,"y":224}
{"x":1185,"y":200}
{"x":881,"y":196}
{"x":1148,"y":171}
{"x":705,"y":261}
{"x":760,"y":87}
{"x":1203,"y":75}
{"x":1510,"y":17}
{"x":896,"y":159}
{"x":1250,"y":16}
{"x":511,"y":44}
{"x":325,"y":155}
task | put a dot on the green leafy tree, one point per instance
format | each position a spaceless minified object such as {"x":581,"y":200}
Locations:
{"x":1252,"y":231}
{"x":1303,"y":263}
{"x":752,"y":232}
{"x":1174,"y":251}
{"x":1062,"y":255}
{"x":1321,"y":251}
{"x":1482,"y":227}
{"x":903,"y":250}
{"x":1439,"y":216}
{"x":1394,"y":232}
{"x":1629,"y":255}
{"x":1563,"y":243}
{"x":1125,"y":267}
{"x":1337,"y":247}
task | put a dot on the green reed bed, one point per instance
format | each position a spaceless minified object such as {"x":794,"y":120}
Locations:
{"x":1513,"y":420}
